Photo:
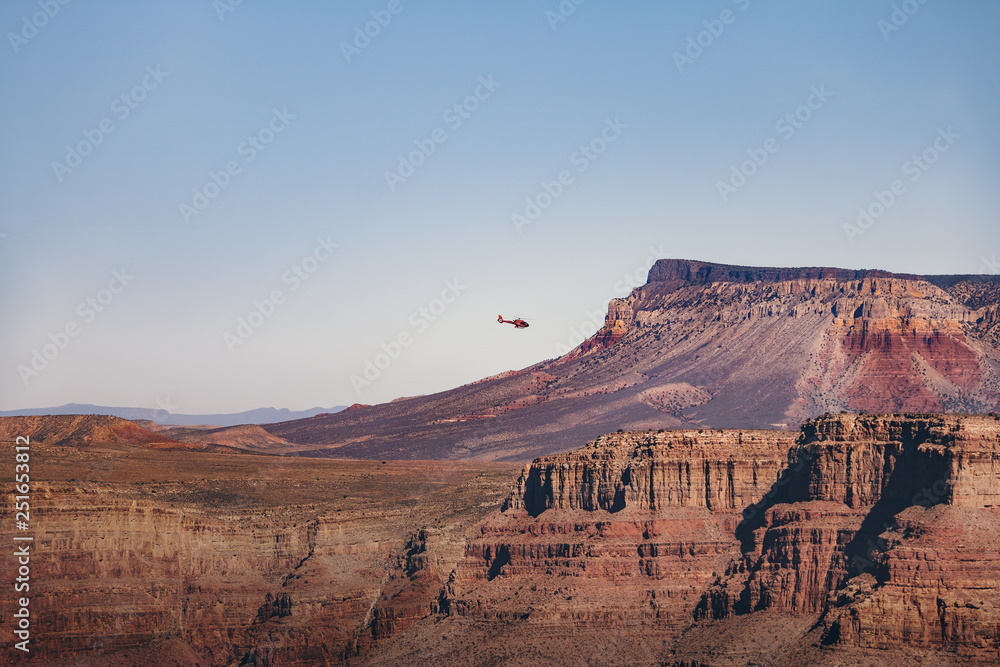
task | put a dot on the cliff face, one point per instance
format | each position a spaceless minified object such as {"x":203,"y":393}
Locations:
{"x":881,"y":527}
{"x":714,"y":470}
{"x":861,"y":340}
{"x":625,"y":532}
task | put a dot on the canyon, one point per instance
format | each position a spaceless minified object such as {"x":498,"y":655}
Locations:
{"x":864,"y":539}
{"x":149,"y":551}
{"x":860,"y":539}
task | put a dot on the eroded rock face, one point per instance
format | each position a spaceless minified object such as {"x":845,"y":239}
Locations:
{"x":117,"y":572}
{"x":710,"y":469}
{"x":627,"y":531}
{"x":148,"y":552}
{"x":862,"y":340}
{"x":883,"y":527}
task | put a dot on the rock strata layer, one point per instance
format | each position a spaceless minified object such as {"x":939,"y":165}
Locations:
{"x":629,"y":530}
{"x":880,"y":527}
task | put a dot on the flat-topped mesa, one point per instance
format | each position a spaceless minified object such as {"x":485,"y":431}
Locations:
{"x":701,"y":273}
{"x":651,"y":471}
{"x":711,"y":294}
{"x":803,"y":341}
{"x":705,"y":345}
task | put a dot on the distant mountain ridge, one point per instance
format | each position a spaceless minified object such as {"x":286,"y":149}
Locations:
{"x":166,"y":418}
{"x":708,"y":345}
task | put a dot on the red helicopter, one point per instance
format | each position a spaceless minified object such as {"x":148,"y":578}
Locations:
{"x":517,"y":322}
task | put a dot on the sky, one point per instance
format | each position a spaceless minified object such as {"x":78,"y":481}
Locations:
{"x":215,"y":206}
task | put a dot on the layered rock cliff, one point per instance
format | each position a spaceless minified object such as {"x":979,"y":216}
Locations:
{"x":833,"y":338}
{"x":625,"y":533}
{"x":880,"y":528}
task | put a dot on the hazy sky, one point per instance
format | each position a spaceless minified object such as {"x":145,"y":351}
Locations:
{"x":217,"y":206}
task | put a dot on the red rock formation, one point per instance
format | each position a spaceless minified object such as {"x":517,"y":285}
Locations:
{"x":147,"y":555}
{"x":883,"y":525}
{"x":889,"y":529}
{"x":628,"y":530}
{"x":246,"y":436}
{"x":703,"y":345}
{"x":84,"y":430}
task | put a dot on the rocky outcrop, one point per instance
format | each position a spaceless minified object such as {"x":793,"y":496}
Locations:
{"x":878,"y":341}
{"x":710,"y":469}
{"x":880,"y":527}
{"x":860,"y":537}
{"x":246,"y":436}
{"x":708,"y":345}
{"x":692,"y":272}
{"x":616,"y":324}
{"x":884,"y":527}
{"x":84,"y":430}
{"x":625,"y":532}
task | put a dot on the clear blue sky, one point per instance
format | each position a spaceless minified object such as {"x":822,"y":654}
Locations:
{"x":309,"y":128}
